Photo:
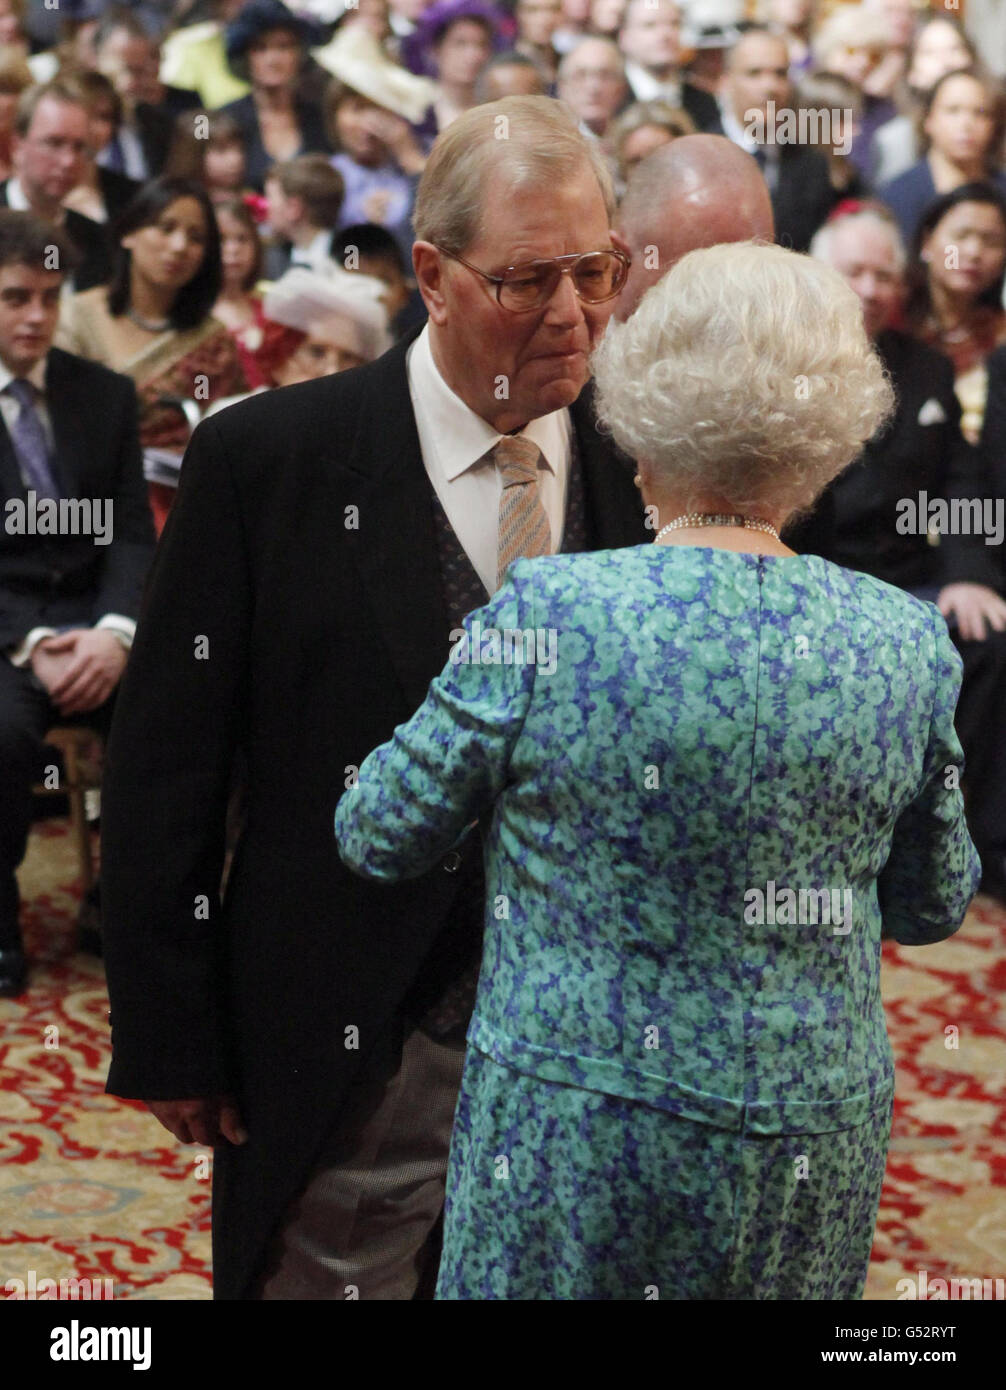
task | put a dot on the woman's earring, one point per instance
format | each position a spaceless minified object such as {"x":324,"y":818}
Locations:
{"x":638,"y":480}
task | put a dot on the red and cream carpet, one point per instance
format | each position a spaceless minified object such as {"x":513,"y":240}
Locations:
{"x":92,"y":1188}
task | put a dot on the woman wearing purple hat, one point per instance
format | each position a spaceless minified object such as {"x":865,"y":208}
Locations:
{"x":266,"y":45}
{"x":452,"y":42}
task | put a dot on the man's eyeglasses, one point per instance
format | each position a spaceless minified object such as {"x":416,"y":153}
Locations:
{"x":596,"y":276}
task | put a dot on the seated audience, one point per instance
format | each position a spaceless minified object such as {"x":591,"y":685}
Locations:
{"x":642,"y":128}
{"x":757,"y":91}
{"x":829,"y":92}
{"x":698,"y":191}
{"x":452,"y":42}
{"x":68,"y":599}
{"x":49,"y":152}
{"x":962,"y":125}
{"x":266,"y":44}
{"x":509,"y":75}
{"x":373,"y":251}
{"x":537,"y":21}
{"x":939,"y":46}
{"x":795,"y":21}
{"x":876,"y":516}
{"x":852,"y":43}
{"x":124,"y":53}
{"x":592,"y":84}
{"x":372,"y":108}
{"x":153,"y":322}
{"x":575,"y":24}
{"x":955,"y":286}
{"x":102,"y":193}
{"x":605,"y":17}
{"x":304,"y":198}
{"x":238,"y":307}
{"x":319,"y":325}
{"x":650,"y":40}
{"x":15,"y":78}
{"x":209,"y":147}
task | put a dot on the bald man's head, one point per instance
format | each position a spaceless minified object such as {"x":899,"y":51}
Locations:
{"x":697,"y":191}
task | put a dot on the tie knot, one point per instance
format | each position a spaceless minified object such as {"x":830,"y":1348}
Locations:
{"x":23,"y":392}
{"x":516,"y":459}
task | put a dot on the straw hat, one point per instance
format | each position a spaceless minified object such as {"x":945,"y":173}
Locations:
{"x":358,"y":61}
{"x":344,"y":307}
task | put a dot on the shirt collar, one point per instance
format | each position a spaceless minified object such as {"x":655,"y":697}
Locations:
{"x":17,"y":200}
{"x":464,"y":438}
{"x":36,"y":376}
{"x":646,"y":87}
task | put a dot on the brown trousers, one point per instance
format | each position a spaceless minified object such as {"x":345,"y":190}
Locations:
{"x":367,"y":1225}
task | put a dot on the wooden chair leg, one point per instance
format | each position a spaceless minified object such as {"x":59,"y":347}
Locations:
{"x":78,"y":818}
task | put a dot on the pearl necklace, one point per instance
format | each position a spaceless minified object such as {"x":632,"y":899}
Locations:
{"x":716,"y":519}
{"x":145,"y":324}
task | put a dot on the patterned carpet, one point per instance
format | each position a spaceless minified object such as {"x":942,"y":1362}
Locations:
{"x":92,"y":1187}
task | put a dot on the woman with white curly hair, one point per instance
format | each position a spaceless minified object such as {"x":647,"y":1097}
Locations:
{"x":717,"y":776}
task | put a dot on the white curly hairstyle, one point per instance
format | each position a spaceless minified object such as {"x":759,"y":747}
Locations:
{"x":744,"y":374}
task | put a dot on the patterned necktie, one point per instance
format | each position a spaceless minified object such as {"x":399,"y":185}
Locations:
{"x":30,"y":444}
{"x":523,"y":525}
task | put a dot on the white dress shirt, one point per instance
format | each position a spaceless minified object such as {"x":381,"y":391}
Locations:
{"x":646,"y":87}
{"x":455,"y":441}
{"x":124,"y":628}
{"x":740,"y":135}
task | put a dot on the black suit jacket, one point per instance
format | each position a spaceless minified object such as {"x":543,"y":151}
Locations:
{"x":52,"y":581}
{"x":118,"y":190}
{"x":803,"y":196}
{"x":91,"y":242}
{"x":302,"y":548}
{"x":856,"y":521}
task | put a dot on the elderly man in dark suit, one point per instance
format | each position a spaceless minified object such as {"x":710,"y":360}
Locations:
{"x":326,"y":542}
{"x":48,"y":153}
{"x":75,"y":545}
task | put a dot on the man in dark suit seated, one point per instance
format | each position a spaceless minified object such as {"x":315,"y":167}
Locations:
{"x":758,"y":112}
{"x":75,"y":543}
{"x":326,"y":542}
{"x":650,"y":40}
{"x":912,"y":485}
{"x":51,"y":132}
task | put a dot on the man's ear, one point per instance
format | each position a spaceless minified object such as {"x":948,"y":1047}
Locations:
{"x":619,"y":243}
{"x":428,"y":265}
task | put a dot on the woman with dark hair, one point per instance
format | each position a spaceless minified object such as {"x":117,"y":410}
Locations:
{"x":153,"y":322}
{"x":209,"y":147}
{"x":266,"y":45}
{"x":962,"y":123}
{"x":955,"y":286}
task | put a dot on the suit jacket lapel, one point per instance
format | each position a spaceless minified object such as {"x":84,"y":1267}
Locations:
{"x":395,"y":547}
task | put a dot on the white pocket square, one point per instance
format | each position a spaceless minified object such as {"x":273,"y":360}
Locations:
{"x":932,"y":413}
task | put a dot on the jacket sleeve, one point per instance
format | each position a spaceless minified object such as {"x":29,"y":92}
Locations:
{"x":129,"y":554}
{"x":417,"y":794}
{"x":933,"y":869}
{"x":166,"y":787}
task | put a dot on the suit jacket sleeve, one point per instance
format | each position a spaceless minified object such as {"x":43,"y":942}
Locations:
{"x":933,"y":869}
{"x":128,"y":557}
{"x":993,"y":441}
{"x":166,"y":788}
{"x":418,"y":793}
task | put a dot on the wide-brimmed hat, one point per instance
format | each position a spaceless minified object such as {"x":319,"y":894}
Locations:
{"x":431,"y":25}
{"x":258,"y":17}
{"x":356,"y":59}
{"x":342,"y":306}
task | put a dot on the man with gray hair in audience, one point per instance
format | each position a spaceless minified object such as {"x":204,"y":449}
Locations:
{"x":327,"y":541}
{"x":592,"y":84}
{"x":697,"y":191}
